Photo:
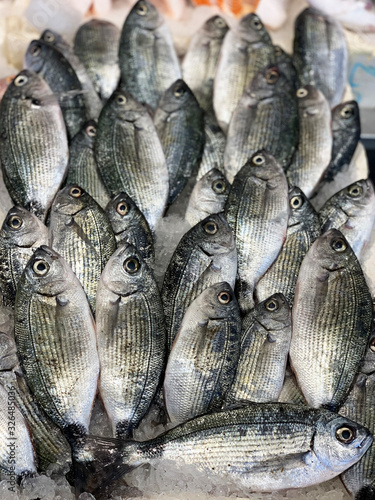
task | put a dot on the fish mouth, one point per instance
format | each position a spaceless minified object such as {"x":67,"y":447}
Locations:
{"x":366,"y":442}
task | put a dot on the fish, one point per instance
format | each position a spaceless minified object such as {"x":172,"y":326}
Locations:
{"x":147,"y":58}
{"x":82,"y":234}
{"x":265,"y":339}
{"x":208,"y":197}
{"x":246,"y":50}
{"x":321,"y":54}
{"x":285,"y":64}
{"x":33,"y":169}
{"x":130,"y":226}
{"x":21,"y":233}
{"x":179,"y":123}
{"x":352,"y":212}
{"x":303,"y":229}
{"x":56,"y":343}
{"x":266,"y":117}
{"x":257,"y":210}
{"x":314,"y":149}
{"x":204,"y":355}
{"x":200,"y":61}
{"x":92,"y":100}
{"x":205,"y":255}
{"x":131,"y":339}
{"x":214,"y":147}
{"x":130,"y":157}
{"x":332,"y":314}
{"x":61,"y":77}
{"x":82,"y":169}
{"x":96,"y":45}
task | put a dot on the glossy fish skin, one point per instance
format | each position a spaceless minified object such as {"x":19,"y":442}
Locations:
{"x":50,"y":64}
{"x":82,"y":234}
{"x":179,"y":123}
{"x":147,"y":58}
{"x":214,"y":147}
{"x":313,"y":153}
{"x":131,"y":339}
{"x":265,"y":339}
{"x":204,"y":256}
{"x":257,"y":210}
{"x":266,"y":117}
{"x":130,"y":156}
{"x":56,"y":342}
{"x":303,"y":229}
{"x":82,"y":166}
{"x":33,"y":169}
{"x":92,"y":100}
{"x":21,"y":233}
{"x":203,"y":359}
{"x":246,"y":50}
{"x":200,"y":61}
{"x":262,"y":447}
{"x":96,"y":45}
{"x":130,"y":226}
{"x":332,"y":313}
{"x":351,"y":211}
{"x":321,"y":54}
{"x":208,"y":197}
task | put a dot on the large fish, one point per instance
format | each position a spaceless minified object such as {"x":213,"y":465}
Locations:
{"x":332,"y":313}
{"x":148,"y":60}
{"x":33,"y":147}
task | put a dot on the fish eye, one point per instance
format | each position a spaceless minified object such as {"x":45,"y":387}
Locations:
{"x":272,"y":76}
{"x":219,"y":21}
{"x":224,"y":297}
{"x":355,"y":191}
{"x":339,"y":245}
{"x":256,"y":24}
{"x":141,"y":9}
{"x":122,"y":208}
{"x":121,"y":99}
{"x":272,"y":305}
{"x":219,"y":186}
{"x":35,"y":102}
{"x":75,"y":191}
{"x":178,"y":90}
{"x":40,"y":267}
{"x":347,"y":111}
{"x":296,"y":202}
{"x":258,"y":160}
{"x":35,"y":50}
{"x":210,"y":227}
{"x":301,"y":93}
{"x":48,"y":37}
{"x":345,"y":434}
{"x":91,"y":131}
{"x":131,"y":265}
{"x":14,"y":222}
{"x":372,"y":344}
{"x":20,"y":80}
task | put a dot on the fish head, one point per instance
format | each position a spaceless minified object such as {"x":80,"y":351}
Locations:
{"x":300,"y":207}
{"x":22,"y":228}
{"x":214,"y":185}
{"x":31,"y":90}
{"x":251,"y":29}
{"x":70,"y":200}
{"x":358,"y":199}
{"x":265,"y":168}
{"x":51,"y":37}
{"x":8,"y":352}
{"x":36,"y":55}
{"x":345,"y":116}
{"x":339,"y":442}
{"x":86,"y":137}
{"x":216,"y":27}
{"x":268,"y":82}
{"x":214,"y":235}
{"x":144,"y":15}
{"x":311,"y":101}
{"x":331,"y":250}
{"x":120,"y":211}
{"x":177,"y":96}
{"x":123,"y":106}
{"x":218,"y":301}
{"x":274,"y":313}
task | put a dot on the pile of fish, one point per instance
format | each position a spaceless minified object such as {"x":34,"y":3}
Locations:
{"x":256,"y":354}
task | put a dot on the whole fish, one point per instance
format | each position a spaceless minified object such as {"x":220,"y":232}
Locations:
{"x":130,"y":156}
{"x":200,"y":61}
{"x":96,"y":45}
{"x":208,"y":197}
{"x":303,"y":229}
{"x":21,"y":233}
{"x":321,"y":54}
{"x":92,"y":100}
{"x":203,"y":359}
{"x":130,"y":226}
{"x":33,"y":148}
{"x":266,"y":117}
{"x":265,"y":339}
{"x":56,"y":342}
{"x":204,"y":256}
{"x":246,"y":50}
{"x":352,"y":212}
{"x":131,"y":339}
{"x":82,"y":234}
{"x":261,"y":447}
{"x":214,"y":147}
{"x":61,"y":77}
{"x":179,"y":123}
{"x":82,"y":168}
{"x":257,"y":210}
{"x":332,"y":313}
{"x":147,"y":58}
{"x":314,"y":149}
